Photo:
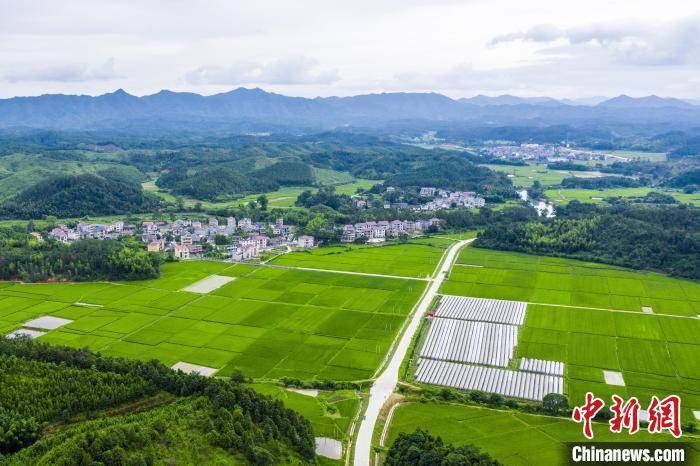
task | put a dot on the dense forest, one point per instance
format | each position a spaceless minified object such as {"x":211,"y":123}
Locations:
{"x":453,"y":173}
{"x":603,"y":182}
{"x":193,"y":420}
{"x":77,"y":196}
{"x":642,"y":237}
{"x":213,"y":183}
{"x":222,"y":181}
{"x":422,"y":449}
{"x":22,"y":257}
{"x":571,"y":166}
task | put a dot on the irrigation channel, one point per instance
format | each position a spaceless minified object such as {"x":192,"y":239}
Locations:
{"x":384,"y":385}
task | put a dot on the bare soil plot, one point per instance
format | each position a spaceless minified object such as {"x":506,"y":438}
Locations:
{"x":614,"y":378}
{"x":188,"y":368}
{"x":25,"y":332}
{"x":328,"y":447}
{"x":209,"y":284}
{"x":47,"y":322}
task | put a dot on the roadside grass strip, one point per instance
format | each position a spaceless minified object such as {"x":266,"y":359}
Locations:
{"x":188,"y":368}
{"x":209,"y":284}
{"x":525,"y":385}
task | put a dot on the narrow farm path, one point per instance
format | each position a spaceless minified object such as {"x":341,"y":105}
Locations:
{"x":385,"y":384}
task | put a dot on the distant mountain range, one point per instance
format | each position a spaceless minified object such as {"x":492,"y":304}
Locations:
{"x":257,"y":108}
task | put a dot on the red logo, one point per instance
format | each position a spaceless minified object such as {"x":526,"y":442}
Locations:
{"x":587,"y":412}
{"x":664,"y":415}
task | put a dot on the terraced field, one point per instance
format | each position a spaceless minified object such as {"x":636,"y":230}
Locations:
{"x":510,"y":437}
{"x":548,"y":280}
{"x":415,"y":259}
{"x":268,"y":322}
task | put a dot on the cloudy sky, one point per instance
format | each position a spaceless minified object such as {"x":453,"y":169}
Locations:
{"x":561,"y":48}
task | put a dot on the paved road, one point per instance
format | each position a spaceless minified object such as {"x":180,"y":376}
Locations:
{"x":384,"y":386}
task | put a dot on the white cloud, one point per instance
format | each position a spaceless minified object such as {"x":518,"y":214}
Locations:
{"x":291,"y":70}
{"x":357,"y":47}
{"x":639,"y":43}
{"x":63,"y":73}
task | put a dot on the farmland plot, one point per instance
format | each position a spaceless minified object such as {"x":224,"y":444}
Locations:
{"x":550,"y":280}
{"x":416,"y":259}
{"x":268,"y":322}
{"x":655,"y":354}
{"x":511,"y":437}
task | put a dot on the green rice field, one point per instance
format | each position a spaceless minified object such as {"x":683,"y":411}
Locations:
{"x":269,"y":322}
{"x":511,"y":437}
{"x":597,"y":196}
{"x":656,"y":354}
{"x":549,"y":280}
{"x":525,"y":175}
{"x":590,"y":317}
{"x":415,"y":259}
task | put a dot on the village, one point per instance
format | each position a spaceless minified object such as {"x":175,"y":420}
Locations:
{"x":236,"y":240}
{"x":439,"y":199}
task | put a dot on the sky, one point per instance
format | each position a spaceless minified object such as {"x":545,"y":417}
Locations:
{"x":562,"y":48}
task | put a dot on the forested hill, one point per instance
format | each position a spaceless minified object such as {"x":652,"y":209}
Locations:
{"x":77,"y":196}
{"x":450,"y":172}
{"x":214,"y":182}
{"x":663,"y":239}
{"x":255,"y":108}
{"x":142,"y":413}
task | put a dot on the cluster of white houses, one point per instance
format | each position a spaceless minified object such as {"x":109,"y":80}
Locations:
{"x":186,"y":237}
{"x":378,"y":231}
{"x":441,"y":199}
{"x":84,"y":230}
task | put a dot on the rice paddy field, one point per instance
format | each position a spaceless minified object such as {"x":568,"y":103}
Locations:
{"x":598,"y":196}
{"x":594,"y":317}
{"x":485,"y":273}
{"x":269,"y":322}
{"x":511,"y":437}
{"x":525,"y":175}
{"x":416,"y":259}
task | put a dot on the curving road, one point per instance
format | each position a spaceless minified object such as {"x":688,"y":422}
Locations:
{"x":384,"y":385}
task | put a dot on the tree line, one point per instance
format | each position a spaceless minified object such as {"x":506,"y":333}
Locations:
{"x":237,"y":418}
{"x":644,"y":237}
{"x":24,"y":258}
